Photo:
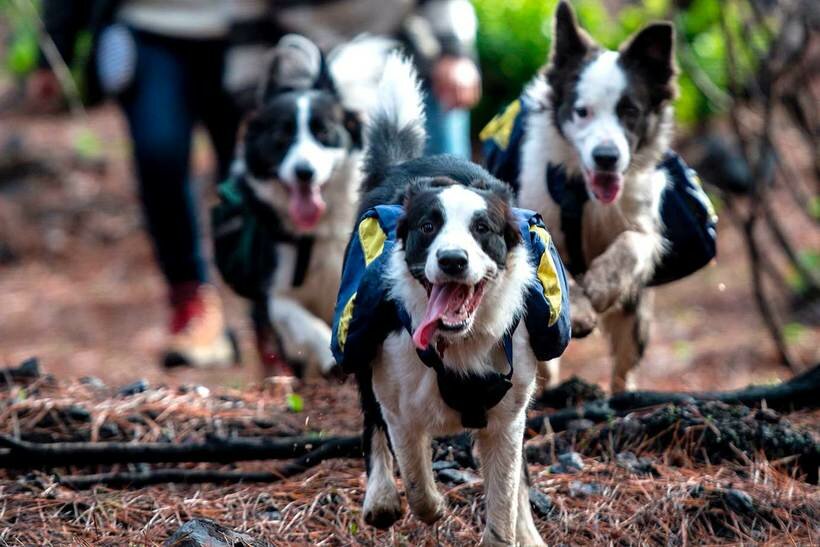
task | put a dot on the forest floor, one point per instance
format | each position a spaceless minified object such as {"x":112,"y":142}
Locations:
{"x":79,"y":290}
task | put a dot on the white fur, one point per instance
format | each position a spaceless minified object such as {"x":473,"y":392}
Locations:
{"x":307,"y":151}
{"x":459,"y":205}
{"x":357,"y":66}
{"x":400,"y":98}
{"x":599,"y":88}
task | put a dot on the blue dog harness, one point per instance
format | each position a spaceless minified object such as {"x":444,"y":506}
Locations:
{"x":690,"y":223}
{"x":365,"y":315}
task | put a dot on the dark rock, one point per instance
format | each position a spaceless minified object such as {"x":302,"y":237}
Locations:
{"x":540,"y":502}
{"x":30,"y":368}
{"x":78,"y":413}
{"x":642,"y":466}
{"x":109,"y":430}
{"x":134,"y":388}
{"x":439,"y":465}
{"x":92,"y":381}
{"x":767,"y":415}
{"x":568,"y":462}
{"x":456,"y":476}
{"x":738,"y":501}
{"x":270,"y":512}
{"x":569,"y":393}
{"x":578,"y":489}
{"x":207,"y":533}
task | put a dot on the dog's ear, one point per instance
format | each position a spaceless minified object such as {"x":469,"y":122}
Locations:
{"x":569,"y":42}
{"x":651,"y":52}
{"x":355,"y":127}
{"x":512,"y":235}
{"x":294,"y":63}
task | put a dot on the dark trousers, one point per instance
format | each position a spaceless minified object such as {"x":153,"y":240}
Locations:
{"x":178,"y":83}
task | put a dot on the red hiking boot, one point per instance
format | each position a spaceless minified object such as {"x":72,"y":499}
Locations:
{"x":199,"y":337}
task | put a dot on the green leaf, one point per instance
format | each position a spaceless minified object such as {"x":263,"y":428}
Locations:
{"x":353,"y":527}
{"x":295,"y":402}
{"x":794,"y":332}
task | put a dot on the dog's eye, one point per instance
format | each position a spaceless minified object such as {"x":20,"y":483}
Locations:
{"x":581,"y":111}
{"x":482,"y":228}
{"x":427,"y":228}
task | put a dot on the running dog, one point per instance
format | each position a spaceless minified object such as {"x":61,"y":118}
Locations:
{"x":457,"y":299}
{"x":603,"y":119}
{"x":286,"y":213}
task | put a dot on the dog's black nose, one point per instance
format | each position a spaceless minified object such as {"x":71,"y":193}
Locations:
{"x":452,"y":262}
{"x":605,"y":156}
{"x":303,"y":172}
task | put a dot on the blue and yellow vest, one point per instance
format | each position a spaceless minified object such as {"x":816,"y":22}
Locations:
{"x":690,"y":223}
{"x":365,"y":315}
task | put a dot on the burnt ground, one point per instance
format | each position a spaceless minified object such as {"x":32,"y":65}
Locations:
{"x":78,"y":289}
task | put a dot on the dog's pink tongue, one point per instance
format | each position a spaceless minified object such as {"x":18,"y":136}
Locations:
{"x":306,"y":207}
{"x":443,"y":299}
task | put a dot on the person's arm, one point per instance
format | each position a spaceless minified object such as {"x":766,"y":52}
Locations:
{"x":454,"y":74}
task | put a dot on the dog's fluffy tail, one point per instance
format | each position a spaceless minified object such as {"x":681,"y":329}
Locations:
{"x":395,"y":130}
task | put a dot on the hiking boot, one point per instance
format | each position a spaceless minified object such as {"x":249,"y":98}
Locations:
{"x":199,"y":337}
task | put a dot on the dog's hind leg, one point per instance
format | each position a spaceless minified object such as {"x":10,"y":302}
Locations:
{"x":525,"y":531}
{"x":628,"y":331}
{"x":382,"y":503}
{"x":501,"y":452}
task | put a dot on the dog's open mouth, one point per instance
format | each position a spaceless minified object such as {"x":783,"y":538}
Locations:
{"x":306,"y":206}
{"x":450,"y":308}
{"x":606,"y":185}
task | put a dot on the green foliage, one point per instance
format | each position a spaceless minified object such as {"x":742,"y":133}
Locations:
{"x":22,"y":50}
{"x":295,"y":402}
{"x":514,"y":40}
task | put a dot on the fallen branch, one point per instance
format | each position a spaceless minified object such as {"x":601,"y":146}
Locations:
{"x":345,"y":447}
{"x":18,"y":453}
{"x":800,"y":392}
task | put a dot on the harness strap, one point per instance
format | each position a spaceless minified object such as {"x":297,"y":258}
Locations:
{"x":304,"y":248}
{"x":571,"y":195}
{"x":471,"y":395}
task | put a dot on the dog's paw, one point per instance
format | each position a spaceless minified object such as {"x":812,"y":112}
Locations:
{"x":602,"y":285}
{"x":385,"y":511}
{"x":429,"y":509}
{"x":584,"y":318}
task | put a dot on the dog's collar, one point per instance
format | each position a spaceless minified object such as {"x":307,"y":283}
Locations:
{"x":471,"y":395}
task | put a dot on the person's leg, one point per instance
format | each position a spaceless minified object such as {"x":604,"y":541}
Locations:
{"x":161,"y":124}
{"x":161,"y":120}
{"x":448,"y":131}
{"x":216,"y":109}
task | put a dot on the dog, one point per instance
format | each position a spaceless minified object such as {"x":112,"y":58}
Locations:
{"x":604,"y":117}
{"x":457,"y":277}
{"x":295,"y":187}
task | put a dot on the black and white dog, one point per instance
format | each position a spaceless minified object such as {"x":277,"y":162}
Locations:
{"x":296,"y":184}
{"x":460,"y":270}
{"x":606,"y":117}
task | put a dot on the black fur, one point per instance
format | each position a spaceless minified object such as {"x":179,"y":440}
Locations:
{"x":272,"y":129}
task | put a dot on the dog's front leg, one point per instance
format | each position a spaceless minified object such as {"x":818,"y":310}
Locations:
{"x":304,"y":336}
{"x":622,"y":269}
{"x":500,"y":449}
{"x":584,"y":318}
{"x":414,"y":452}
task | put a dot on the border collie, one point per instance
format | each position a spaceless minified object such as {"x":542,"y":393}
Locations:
{"x":606,"y":117}
{"x":460,"y":270}
{"x":300,"y":159}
